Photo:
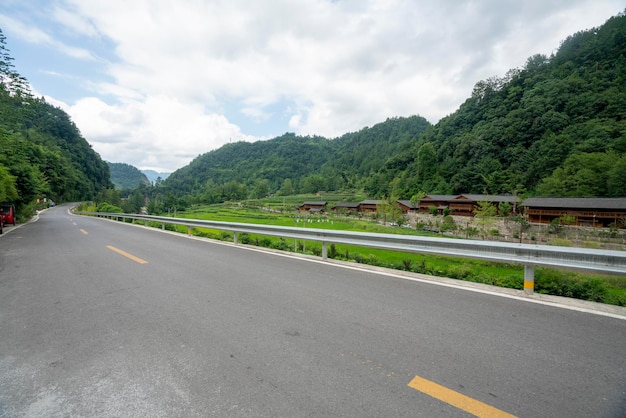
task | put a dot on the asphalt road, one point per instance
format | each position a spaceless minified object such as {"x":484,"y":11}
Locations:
{"x":98,"y":318}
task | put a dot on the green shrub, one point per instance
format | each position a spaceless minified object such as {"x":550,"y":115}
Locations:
{"x":511,"y":282}
{"x":281,"y":244}
{"x":407,"y":263}
{"x":332,"y":252}
{"x":472,"y":231}
{"x":264,"y":242}
{"x":460,"y":272}
{"x":245,"y":238}
{"x":448,"y":224}
{"x":109,"y":208}
{"x":570,"y":285}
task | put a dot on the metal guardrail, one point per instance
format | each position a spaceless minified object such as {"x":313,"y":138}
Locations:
{"x":529,"y":255}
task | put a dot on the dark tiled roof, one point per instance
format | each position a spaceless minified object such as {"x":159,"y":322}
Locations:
{"x":371,"y":202}
{"x":489,"y":198}
{"x":407,"y":203}
{"x":618,"y":203}
{"x":314,"y":203}
{"x":439,"y":197}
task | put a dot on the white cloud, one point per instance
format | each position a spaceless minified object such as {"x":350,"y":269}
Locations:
{"x":37,"y":36}
{"x":159,"y":133}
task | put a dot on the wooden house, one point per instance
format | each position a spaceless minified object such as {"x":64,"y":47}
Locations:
{"x":465,"y":204}
{"x":369,"y":206}
{"x":594,"y":212}
{"x":407,"y":206}
{"x":438,"y":201}
{"x":346,"y":207}
{"x":314,"y":207}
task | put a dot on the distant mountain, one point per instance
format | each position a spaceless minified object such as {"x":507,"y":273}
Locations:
{"x":125,"y":176}
{"x":154,"y":175}
{"x":294,"y":164}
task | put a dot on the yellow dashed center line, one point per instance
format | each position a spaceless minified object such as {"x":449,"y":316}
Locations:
{"x":127,"y":255}
{"x":457,"y":399}
{"x":83,"y":231}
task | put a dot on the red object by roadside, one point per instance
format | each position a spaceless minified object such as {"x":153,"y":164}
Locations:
{"x":7,"y":211}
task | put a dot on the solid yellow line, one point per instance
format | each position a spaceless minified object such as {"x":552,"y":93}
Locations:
{"x":83,"y":231}
{"x":457,"y":399}
{"x":125,"y":254}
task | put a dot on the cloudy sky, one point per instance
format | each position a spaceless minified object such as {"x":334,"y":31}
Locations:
{"x":154,"y":83}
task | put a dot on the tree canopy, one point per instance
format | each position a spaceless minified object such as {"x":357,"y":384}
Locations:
{"x":42,"y":153}
{"x":556,"y":127}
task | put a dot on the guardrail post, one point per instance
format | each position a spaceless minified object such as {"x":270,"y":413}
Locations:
{"x":188,"y":230}
{"x":163,"y":226}
{"x":235,"y":234}
{"x":324,"y":250}
{"x":529,"y":279}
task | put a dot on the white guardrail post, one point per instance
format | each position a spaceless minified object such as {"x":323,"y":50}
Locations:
{"x":529,"y":278}
{"x":528,"y":255}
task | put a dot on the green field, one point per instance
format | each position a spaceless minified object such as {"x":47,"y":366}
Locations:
{"x":282,"y":212}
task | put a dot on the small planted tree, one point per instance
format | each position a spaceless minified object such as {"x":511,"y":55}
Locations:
{"x":504,"y":209}
{"x":523,"y":225}
{"x":485,"y":212}
{"x":448,"y":224}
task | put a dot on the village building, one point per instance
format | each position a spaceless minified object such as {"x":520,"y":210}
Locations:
{"x":313,"y":207}
{"x":369,"y":206}
{"x":407,"y":206}
{"x":593,"y":212}
{"x":464,"y":204}
{"x":346,"y":207}
{"x":438,"y":201}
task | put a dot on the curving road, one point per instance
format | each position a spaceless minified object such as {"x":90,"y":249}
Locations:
{"x":99,"y":318}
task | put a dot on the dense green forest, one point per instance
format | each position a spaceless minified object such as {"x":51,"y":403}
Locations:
{"x":556,"y":127}
{"x":294,"y":164}
{"x":126,"y":176}
{"x":42,"y":153}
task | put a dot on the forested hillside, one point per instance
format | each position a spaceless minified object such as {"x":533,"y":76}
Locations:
{"x":556,"y":127}
{"x":42,"y":153}
{"x":126,"y":176}
{"x":294,"y":164}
